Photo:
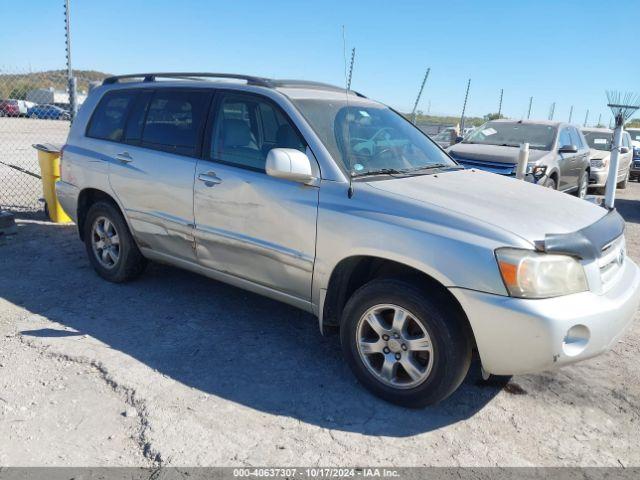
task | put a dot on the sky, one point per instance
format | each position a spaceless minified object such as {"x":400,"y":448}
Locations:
{"x":568,"y":52}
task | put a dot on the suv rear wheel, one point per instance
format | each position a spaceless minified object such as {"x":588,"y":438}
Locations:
{"x":403,"y":345}
{"x":110,"y":246}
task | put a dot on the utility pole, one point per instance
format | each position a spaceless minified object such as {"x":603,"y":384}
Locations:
{"x":500,"y":104}
{"x":71,"y":81}
{"x":586,"y":118}
{"x":599,"y":120}
{"x":552,"y":110}
{"x":353,"y":57}
{"x":464,"y":107}
{"x":415,"y":105}
{"x":570,"y":113}
{"x":530,"y":103}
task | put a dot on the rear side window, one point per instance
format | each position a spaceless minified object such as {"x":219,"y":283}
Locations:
{"x":174,"y":121}
{"x":135,"y":122}
{"x":109,"y":117}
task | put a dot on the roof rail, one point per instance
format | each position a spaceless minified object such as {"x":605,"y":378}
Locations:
{"x":251,"y":80}
{"x":151,"y":77}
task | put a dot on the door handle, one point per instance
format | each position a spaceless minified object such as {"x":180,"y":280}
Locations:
{"x":209,"y":178}
{"x":124,"y":157}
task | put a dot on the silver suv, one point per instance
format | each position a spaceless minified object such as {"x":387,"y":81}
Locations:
{"x":558,"y":155}
{"x":335,"y":204}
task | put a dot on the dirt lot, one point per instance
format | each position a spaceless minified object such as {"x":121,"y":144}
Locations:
{"x":181,"y":370}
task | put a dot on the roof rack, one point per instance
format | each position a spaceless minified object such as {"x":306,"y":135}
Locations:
{"x":151,"y":77}
{"x":251,"y":80}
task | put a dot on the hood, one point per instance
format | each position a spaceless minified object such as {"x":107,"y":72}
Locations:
{"x":492,"y":153}
{"x":599,"y":154}
{"x":521,"y":208}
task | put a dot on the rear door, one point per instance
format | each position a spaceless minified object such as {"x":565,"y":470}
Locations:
{"x":153,"y":167}
{"x":248,"y":224}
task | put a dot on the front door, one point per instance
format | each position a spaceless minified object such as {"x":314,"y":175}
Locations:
{"x":567,"y":162}
{"x":248,"y":224}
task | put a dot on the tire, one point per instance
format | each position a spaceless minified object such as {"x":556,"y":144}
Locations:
{"x":623,"y":184}
{"x":583,"y":185}
{"x":118,"y":264}
{"x":430,"y":319}
{"x":550,"y":183}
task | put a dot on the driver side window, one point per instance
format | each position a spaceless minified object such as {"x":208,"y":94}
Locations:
{"x":565,"y":138}
{"x":247,"y":128}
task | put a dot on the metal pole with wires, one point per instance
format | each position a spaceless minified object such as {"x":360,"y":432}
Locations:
{"x":622,"y":106}
{"x":530,"y":103}
{"x":552,"y":110}
{"x":586,"y":118}
{"x":500,"y":103}
{"x":71,"y":81}
{"x":570,"y":113}
{"x":415,"y":105}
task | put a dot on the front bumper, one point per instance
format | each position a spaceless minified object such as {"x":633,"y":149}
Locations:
{"x":516,"y":336}
{"x":598,"y":178}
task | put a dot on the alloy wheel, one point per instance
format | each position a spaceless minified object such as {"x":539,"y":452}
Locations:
{"x":105,"y":242}
{"x":394,"y":346}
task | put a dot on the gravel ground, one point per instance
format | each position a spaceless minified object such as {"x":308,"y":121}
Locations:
{"x":176,"y":369}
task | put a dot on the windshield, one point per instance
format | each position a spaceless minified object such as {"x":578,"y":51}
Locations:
{"x":635,"y":135}
{"x":366,"y":137}
{"x":509,"y":134}
{"x":598,"y":140}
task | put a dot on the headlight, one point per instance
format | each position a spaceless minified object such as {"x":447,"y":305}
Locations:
{"x":599,"y":162}
{"x":536,"y":170}
{"x":529,"y":274}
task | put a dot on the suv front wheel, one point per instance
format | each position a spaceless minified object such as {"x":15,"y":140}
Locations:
{"x":403,"y":345}
{"x":110,"y":246}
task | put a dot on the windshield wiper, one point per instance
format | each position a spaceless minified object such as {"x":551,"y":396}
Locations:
{"x":435,"y":166}
{"x":380,"y":171}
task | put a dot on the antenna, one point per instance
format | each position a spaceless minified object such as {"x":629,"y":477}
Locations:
{"x":464,"y":106}
{"x":622,"y":106}
{"x":500,"y":104}
{"x":586,"y":118}
{"x":552,"y":110}
{"x":415,"y":105}
{"x":570,"y":113}
{"x":353,"y":57}
{"x":346,"y":117}
{"x":530,"y":103}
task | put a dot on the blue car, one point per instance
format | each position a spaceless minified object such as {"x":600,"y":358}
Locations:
{"x":48,"y":112}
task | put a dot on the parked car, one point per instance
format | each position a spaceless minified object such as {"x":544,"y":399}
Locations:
{"x":48,"y":112}
{"x":446,"y":138}
{"x":416,"y":260}
{"x":9,"y":108}
{"x":558,"y":153}
{"x":600,"y":141}
{"x":635,"y":142}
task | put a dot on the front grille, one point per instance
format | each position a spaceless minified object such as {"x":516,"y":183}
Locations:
{"x":493,"y":167}
{"x":636,"y":164}
{"x":611,"y":260}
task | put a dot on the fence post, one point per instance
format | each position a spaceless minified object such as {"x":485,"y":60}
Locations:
{"x":523,"y":160}
{"x":71,"y":81}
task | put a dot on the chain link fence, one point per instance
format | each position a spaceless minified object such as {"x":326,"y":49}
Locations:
{"x":34,"y":108}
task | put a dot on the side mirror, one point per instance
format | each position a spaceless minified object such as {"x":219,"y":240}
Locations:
{"x":459,"y":139}
{"x":290,"y":164}
{"x":568,"y":149}
{"x":624,"y":150}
